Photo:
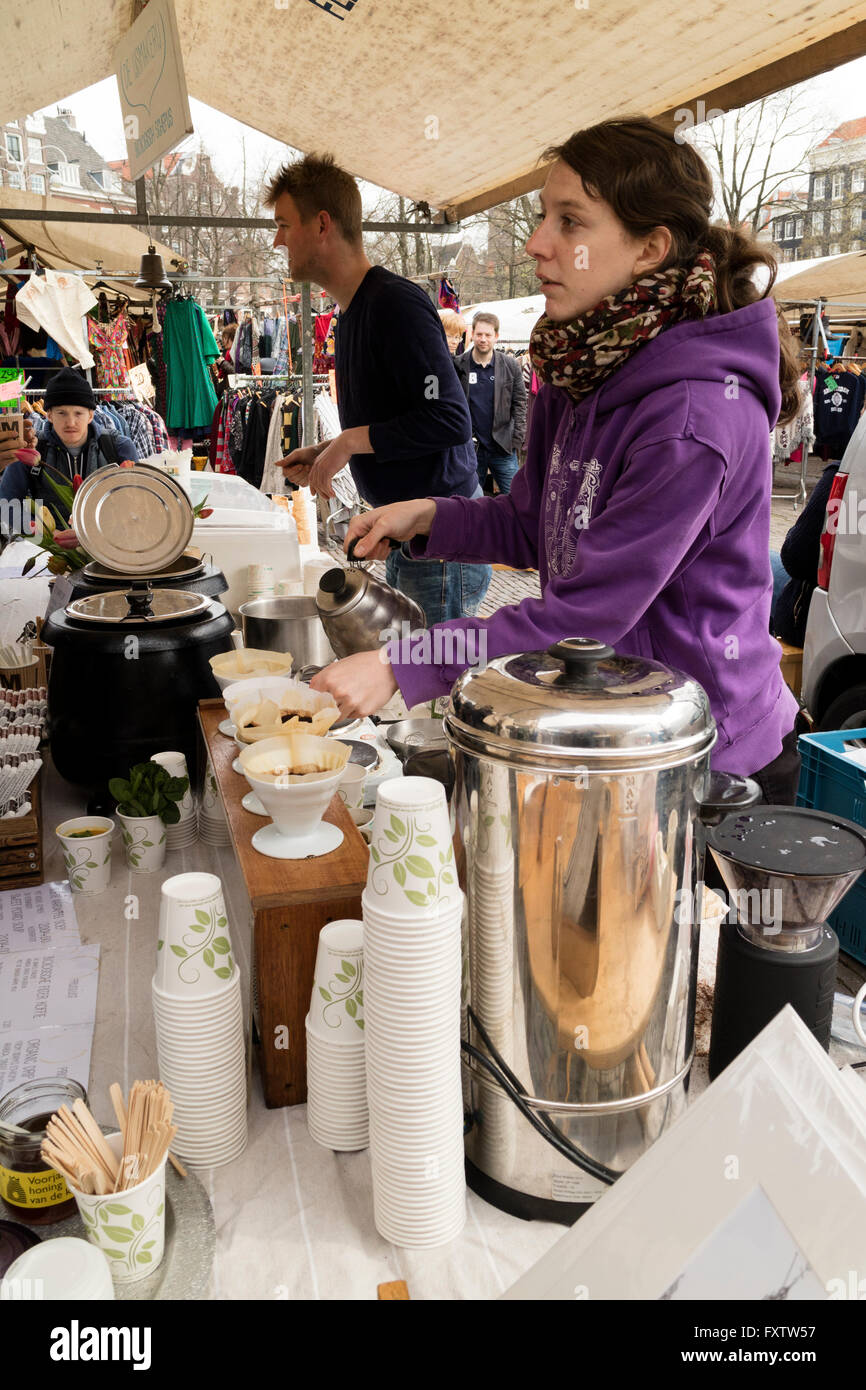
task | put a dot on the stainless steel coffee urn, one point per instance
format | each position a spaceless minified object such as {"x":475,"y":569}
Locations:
{"x":579,"y":779}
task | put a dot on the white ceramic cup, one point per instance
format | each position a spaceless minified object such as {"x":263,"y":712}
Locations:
{"x":132,"y":1238}
{"x":351,"y":786}
{"x":338,"y":980}
{"x":143,"y":842}
{"x":87,"y":858}
{"x":194,"y":948}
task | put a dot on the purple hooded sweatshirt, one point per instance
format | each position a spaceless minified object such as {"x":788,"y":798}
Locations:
{"x":646,"y":510}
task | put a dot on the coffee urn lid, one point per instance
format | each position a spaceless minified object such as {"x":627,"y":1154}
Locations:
{"x":580,"y":699}
{"x":135,"y":520}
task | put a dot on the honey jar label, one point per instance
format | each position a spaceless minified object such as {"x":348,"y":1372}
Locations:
{"x":33,"y":1190}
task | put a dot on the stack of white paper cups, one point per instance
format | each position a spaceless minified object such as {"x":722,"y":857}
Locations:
{"x":412,"y":908}
{"x":212,"y":824}
{"x":185,"y":831}
{"x":336,"y":1070}
{"x":492,"y":937}
{"x":199,"y":1021}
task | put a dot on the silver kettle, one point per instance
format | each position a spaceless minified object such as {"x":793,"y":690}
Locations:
{"x":360,"y":613}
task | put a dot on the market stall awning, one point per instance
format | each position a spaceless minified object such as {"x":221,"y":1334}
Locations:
{"x":448,"y":105}
{"x":840,"y":278}
{"x":73,"y":245}
{"x":517,"y":317}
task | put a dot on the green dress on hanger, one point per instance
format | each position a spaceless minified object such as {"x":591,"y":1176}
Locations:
{"x":188,"y":346}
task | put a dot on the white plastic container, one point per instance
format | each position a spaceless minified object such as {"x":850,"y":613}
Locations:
{"x":61,"y":1269}
{"x":236,"y":540}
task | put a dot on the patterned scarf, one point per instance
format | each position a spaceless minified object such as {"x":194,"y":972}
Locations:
{"x":580,"y":355}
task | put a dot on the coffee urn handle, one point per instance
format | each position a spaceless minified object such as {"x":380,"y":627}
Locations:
{"x":724,"y":793}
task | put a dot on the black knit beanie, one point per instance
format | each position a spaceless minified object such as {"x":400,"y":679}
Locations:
{"x":69,"y":387}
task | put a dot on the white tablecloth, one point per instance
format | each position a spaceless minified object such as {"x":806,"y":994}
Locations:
{"x":293,"y":1220}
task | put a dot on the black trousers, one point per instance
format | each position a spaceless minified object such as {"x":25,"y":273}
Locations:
{"x":778,"y":780}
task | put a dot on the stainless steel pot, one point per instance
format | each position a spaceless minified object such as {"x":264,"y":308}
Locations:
{"x":359,"y":613}
{"x":578,"y":780}
{"x":287,"y":625}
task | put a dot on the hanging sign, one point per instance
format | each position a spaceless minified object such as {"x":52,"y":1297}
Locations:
{"x":152,"y":86}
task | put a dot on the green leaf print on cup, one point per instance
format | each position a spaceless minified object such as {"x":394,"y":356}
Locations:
{"x":129,"y":1236}
{"x":344,"y":995}
{"x":403,"y":864}
{"x":203,"y":948}
{"x":79,"y":866}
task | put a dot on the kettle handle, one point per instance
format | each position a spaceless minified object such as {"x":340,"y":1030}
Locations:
{"x":350,"y":553}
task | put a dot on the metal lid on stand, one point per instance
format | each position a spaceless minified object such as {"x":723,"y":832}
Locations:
{"x":126,"y":607}
{"x":579,"y":699}
{"x":135,"y":521}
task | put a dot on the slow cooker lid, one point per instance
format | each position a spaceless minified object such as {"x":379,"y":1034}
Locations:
{"x":186,"y":566}
{"x":114,"y":607}
{"x":580,"y":696}
{"x":133,"y":521}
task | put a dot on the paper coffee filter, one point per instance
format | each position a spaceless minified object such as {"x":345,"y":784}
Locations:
{"x":297,"y":709}
{"x":269,"y":759}
{"x":250,"y":662}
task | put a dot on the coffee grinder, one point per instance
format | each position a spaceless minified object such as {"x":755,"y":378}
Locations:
{"x":785,"y":868}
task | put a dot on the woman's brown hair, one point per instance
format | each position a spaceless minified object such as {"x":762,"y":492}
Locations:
{"x":651,"y":178}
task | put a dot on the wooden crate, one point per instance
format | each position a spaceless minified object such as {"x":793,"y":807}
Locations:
{"x":792,"y":667}
{"x":21,"y":845}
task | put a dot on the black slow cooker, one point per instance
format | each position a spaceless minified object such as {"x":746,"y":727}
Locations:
{"x":130,"y":664}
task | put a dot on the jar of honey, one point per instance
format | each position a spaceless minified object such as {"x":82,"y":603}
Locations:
{"x":30,"y":1190}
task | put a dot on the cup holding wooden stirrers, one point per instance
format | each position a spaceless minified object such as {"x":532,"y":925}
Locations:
{"x":118,"y":1182}
{"x":122,"y":1121}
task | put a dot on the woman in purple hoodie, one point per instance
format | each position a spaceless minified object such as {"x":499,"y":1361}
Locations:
{"x":645,"y":498}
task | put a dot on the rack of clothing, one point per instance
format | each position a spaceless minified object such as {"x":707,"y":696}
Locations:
{"x":837,"y":402}
{"x":258,"y":421}
{"x":117,"y":409}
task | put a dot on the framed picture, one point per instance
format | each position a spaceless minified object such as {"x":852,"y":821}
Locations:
{"x":757,"y":1192}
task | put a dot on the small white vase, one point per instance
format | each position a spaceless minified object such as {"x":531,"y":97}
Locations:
{"x":143,"y":842}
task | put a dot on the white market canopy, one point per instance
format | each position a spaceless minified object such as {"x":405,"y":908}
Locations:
{"x":388,"y":88}
{"x":517,"y":317}
{"x":837,"y":278}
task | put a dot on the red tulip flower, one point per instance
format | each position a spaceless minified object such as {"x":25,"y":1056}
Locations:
{"x":76,"y":482}
{"x":27,"y":456}
{"x":206,"y":511}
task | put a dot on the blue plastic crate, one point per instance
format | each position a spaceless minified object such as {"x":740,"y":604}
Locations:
{"x":830,"y":781}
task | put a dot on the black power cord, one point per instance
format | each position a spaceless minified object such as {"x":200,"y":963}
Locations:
{"x":540,"y":1121}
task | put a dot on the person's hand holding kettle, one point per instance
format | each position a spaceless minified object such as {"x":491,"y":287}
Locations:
{"x":399,"y":521}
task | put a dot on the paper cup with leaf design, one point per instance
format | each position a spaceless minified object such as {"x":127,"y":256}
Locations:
{"x":143,"y":842}
{"x":86,"y":844}
{"x":128,"y":1227}
{"x":337,"y":1003}
{"x":194,"y":950}
{"x":493,"y":845}
{"x":411,"y":873}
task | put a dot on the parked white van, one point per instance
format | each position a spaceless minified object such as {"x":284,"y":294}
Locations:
{"x":834,"y":653}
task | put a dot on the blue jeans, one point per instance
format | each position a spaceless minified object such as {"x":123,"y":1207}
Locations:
{"x":781,"y":577}
{"x":444,"y":589}
{"x":502,"y":466}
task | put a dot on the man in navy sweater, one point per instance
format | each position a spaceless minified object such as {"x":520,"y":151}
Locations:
{"x":405,"y":423}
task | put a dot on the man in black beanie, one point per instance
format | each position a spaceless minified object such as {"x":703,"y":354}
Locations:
{"x":73,"y":447}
